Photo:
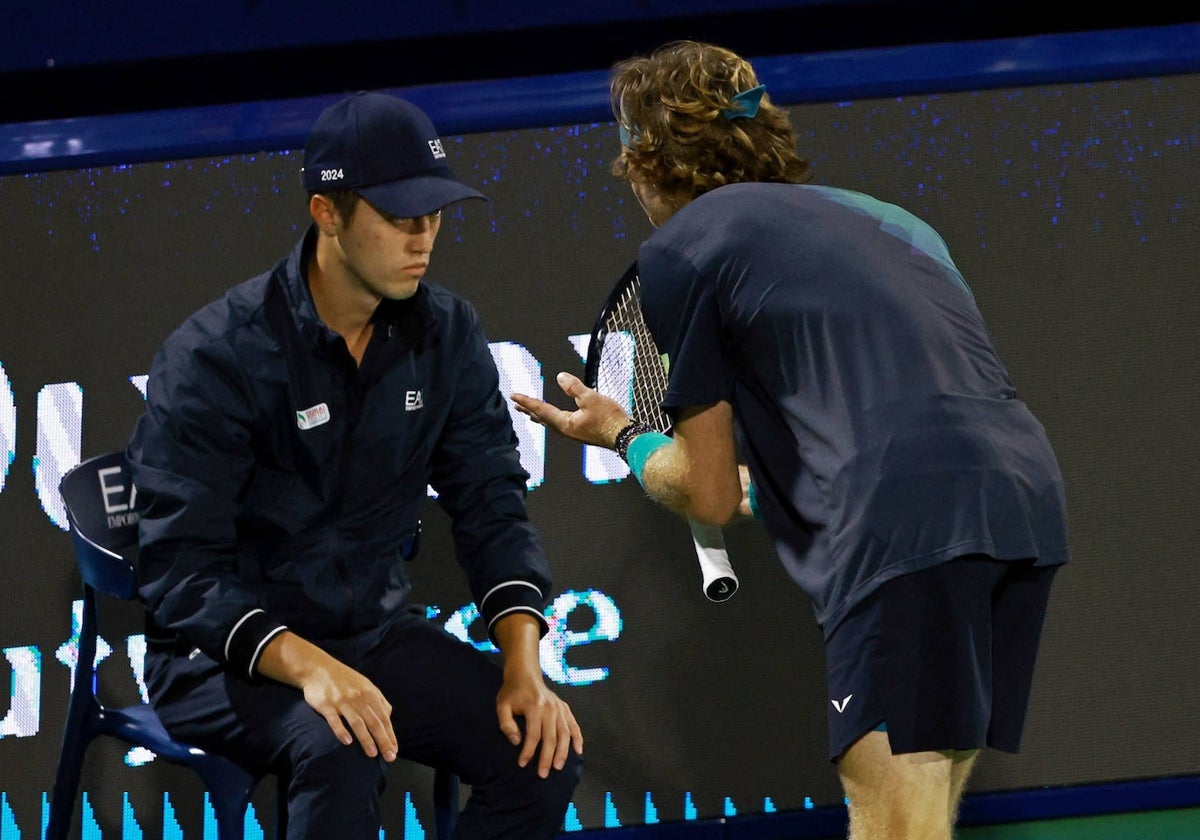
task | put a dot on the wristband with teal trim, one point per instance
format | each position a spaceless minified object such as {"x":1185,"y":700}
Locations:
{"x":624,"y":437}
{"x":640,"y":449}
{"x":752,"y":495}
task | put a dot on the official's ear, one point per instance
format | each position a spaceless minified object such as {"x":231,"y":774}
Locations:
{"x":323,"y":213}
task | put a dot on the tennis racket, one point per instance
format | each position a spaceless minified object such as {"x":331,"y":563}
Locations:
{"x":624,"y":363}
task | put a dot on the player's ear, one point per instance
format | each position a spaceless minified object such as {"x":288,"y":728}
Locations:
{"x":323,"y":213}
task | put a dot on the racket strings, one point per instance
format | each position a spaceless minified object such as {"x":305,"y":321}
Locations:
{"x":631,"y":363}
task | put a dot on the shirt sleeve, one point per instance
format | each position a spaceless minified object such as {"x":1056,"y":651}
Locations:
{"x":683,"y":312}
{"x":477,"y":474}
{"x":189,"y":455}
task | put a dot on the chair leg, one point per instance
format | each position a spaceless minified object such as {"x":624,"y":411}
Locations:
{"x":66,"y":790}
{"x":80,"y":728}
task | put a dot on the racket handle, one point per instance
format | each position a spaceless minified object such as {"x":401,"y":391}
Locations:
{"x":720,"y":582}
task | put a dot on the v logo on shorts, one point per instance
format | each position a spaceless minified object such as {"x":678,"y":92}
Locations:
{"x":841,"y":705}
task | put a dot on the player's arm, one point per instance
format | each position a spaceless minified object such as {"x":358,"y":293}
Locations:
{"x":696,"y":474}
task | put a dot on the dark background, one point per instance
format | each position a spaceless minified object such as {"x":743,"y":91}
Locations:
{"x":68,"y":59}
{"x":1072,"y":208}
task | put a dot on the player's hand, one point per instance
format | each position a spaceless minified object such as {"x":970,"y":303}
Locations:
{"x":595,"y":420}
{"x":351,"y":704}
{"x":550,"y":726}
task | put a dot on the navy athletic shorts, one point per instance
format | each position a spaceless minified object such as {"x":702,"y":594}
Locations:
{"x":941,"y":658}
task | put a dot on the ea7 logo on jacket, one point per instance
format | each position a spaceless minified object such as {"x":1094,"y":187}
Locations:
{"x":413,"y":400}
{"x":310,"y":418}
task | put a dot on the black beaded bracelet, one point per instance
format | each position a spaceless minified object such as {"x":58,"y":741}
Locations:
{"x":626,"y":436}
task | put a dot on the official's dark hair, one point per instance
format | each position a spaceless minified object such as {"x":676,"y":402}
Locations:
{"x":344,"y":202}
{"x":673,"y":108}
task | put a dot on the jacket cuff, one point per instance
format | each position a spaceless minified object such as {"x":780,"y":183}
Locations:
{"x":245,"y":642}
{"x":513,"y":596}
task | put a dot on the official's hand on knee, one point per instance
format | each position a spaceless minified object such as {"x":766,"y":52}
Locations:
{"x":345,"y":698}
{"x":350,"y":703}
{"x":549,"y":723}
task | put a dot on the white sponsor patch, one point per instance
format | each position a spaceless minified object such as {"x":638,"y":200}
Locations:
{"x":310,"y":418}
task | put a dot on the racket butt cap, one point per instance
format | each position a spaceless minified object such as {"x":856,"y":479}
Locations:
{"x":721,"y":589}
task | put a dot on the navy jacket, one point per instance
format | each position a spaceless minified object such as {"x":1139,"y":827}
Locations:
{"x":281,"y":485}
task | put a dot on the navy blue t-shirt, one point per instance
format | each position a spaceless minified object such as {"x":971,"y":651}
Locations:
{"x":881,"y":428}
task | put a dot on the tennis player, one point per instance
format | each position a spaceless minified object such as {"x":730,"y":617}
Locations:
{"x":831,"y":374}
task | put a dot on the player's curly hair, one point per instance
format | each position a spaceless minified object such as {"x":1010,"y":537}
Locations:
{"x":674,"y":135}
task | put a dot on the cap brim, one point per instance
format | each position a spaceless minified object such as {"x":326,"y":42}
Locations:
{"x":417,"y":196}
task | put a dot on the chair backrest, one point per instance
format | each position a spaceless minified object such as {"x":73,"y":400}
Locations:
{"x":100,"y":500}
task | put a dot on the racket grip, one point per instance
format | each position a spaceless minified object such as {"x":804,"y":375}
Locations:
{"x":720,"y":582}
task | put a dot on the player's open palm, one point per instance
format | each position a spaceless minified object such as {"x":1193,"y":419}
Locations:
{"x":596,"y":419}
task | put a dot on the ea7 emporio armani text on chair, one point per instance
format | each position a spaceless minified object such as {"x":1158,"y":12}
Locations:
{"x":97,"y":494}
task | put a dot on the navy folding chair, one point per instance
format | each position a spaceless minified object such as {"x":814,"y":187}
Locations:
{"x":98,"y":495}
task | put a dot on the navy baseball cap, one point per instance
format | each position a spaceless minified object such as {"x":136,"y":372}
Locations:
{"x":385,"y":149}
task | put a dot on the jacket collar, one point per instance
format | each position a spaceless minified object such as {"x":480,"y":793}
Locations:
{"x":414,"y":319}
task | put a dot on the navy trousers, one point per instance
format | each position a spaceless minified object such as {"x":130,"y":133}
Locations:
{"x":443,"y":696}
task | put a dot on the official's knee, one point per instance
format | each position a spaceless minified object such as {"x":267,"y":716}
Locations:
{"x":558,"y":788}
{"x":336,"y":792}
{"x":341,"y":766}
{"x":517,"y":803}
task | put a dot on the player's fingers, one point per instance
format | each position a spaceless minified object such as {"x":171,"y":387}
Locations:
{"x":572,"y":385}
{"x":525,"y":405}
{"x":539,"y":410}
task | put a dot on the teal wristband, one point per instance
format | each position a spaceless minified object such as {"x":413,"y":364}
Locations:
{"x":640,"y":449}
{"x":752,"y":496}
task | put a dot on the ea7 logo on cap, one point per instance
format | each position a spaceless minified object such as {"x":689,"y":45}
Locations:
{"x":435,"y":146}
{"x":310,"y":418}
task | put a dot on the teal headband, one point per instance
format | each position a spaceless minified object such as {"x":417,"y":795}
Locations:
{"x":744,"y":106}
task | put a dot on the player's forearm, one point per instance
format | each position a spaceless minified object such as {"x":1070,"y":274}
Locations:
{"x":671,"y":478}
{"x":664,"y":477}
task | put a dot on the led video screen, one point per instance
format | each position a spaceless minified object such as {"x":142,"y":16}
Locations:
{"x":1073,"y":211}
